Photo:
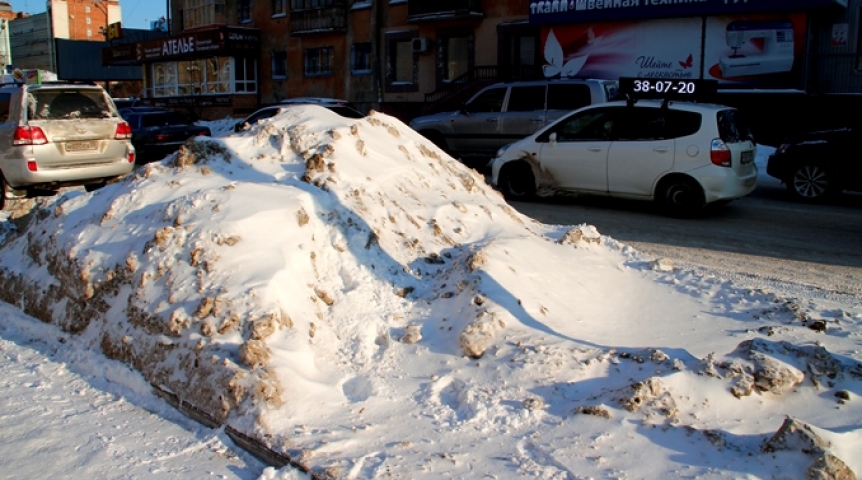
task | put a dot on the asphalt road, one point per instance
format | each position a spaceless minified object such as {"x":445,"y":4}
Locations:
{"x":763,"y":238}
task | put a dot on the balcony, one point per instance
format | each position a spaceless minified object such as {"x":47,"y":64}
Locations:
{"x":430,"y":11}
{"x":332,"y":18}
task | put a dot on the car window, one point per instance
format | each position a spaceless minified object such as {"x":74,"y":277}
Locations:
{"x":162,"y":119}
{"x":346,"y":112}
{"x":258,"y":116}
{"x":568,"y":96}
{"x":650,"y":123}
{"x":4,"y":106}
{"x":65,"y":104}
{"x":595,"y":124}
{"x":731,"y":127}
{"x":526,"y":98}
{"x":490,"y":100}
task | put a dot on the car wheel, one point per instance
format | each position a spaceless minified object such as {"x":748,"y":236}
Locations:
{"x":810,"y":182}
{"x":516,"y":181}
{"x":681,"y":197}
{"x":3,"y":189}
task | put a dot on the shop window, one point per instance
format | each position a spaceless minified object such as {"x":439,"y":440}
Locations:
{"x":218,"y":75}
{"x":457,"y":52}
{"x":360,"y":58}
{"x":243,"y":11}
{"x":246,"y":75}
{"x":401,"y":66}
{"x":279,"y":65}
{"x":318,"y":61}
{"x":190,"y":77}
{"x":278,"y":7}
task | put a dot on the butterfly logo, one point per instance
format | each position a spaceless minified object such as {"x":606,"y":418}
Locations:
{"x":554,"y":57}
{"x":687,"y":63}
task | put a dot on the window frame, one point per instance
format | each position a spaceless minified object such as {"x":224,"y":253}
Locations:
{"x":392,"y":41}
{"x":279,"y":64}
{"x":243,"y":11}
{"x":321,"y":69}
{"x":277,"y":5}
{"x":356,"y":54}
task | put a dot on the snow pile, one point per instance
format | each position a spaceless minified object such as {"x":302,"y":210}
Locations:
{"x":344,"y":294}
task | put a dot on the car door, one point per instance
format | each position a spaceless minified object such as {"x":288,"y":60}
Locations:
{"x":575,"y":152}
{"x":525,"y":113}
{"x":641,"y":152}
{"x":477,"y":128}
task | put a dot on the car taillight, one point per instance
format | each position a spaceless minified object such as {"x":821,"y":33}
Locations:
{"x":719,"y":154}
{"x":203,"y":134}
{"x":29,"y":136}
{"x":124,"y":131}
{"x":162,"y":137}
{"x":131,"y":157}
{"x":31,"y":165}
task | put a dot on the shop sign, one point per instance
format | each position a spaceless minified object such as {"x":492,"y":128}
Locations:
{"x":549,"y":12}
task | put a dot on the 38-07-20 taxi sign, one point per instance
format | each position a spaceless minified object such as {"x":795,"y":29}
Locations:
{"x":691,"y":89}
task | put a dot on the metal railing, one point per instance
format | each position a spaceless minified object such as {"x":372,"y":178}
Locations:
{"x":442,"y":8}
{"x":324,"y":19}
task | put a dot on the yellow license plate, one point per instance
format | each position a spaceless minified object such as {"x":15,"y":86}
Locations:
{"x":81,"y":146}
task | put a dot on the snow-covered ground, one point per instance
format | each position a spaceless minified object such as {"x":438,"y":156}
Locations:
{"x":349,"y":297}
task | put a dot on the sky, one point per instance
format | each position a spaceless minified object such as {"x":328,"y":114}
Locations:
{"x":346,"y":295}
{"x":136,"y":13}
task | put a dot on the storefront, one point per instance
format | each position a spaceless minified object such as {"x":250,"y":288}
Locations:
{"x":214,"y":68}
{"x":741,"y":44}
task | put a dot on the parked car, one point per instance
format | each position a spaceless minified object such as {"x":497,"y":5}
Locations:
{"x":504,"y":112}
{"x":320,"y":101}
{"x":60,"y":135}
{"x":682,"y":155}
{"x":273,"y":110}
{"x":158,"y":132}
{"x":819,"y":164}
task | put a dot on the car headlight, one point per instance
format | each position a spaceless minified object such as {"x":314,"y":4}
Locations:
{"x":503,"y":149}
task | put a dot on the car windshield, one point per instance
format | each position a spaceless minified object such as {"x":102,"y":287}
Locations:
{"x":67,"y":104}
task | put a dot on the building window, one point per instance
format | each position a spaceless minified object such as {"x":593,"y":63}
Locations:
{"x":243,"y":10}
{"x":357,"y":4}
{"x":278,"y":7}
{"x":859,"y":41}
{"x":88,"y":21}
{"x":318,"y":61}
{"x":246,"y":76}
{"x":402,"y":71}
{"x":279,"y":65}
{"x":86,"y":9}
{"x":89,"y":33}
{"x":197,"y":13}
{"x":205,"y":76}
{"x":457,"y":51}
{"x":360,"y":58}
{"x":310,"y":4}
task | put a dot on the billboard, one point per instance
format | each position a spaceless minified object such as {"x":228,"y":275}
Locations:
{"x":752,"y":51}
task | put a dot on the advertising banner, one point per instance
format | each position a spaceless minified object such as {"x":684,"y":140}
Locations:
{"x":752,"y":51}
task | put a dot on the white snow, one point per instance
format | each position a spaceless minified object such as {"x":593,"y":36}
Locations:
{"x":349,"y":296}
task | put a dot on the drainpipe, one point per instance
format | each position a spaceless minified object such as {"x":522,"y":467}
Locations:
{"x":376,"y":51}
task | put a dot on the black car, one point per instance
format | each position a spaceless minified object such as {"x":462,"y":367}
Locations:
{"x":158,"y":132}
{"x":271,"y":111}
{"x":819,"y":164}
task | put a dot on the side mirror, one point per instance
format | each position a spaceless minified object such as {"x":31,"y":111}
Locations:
{"x":237,"y":127}
{"x":552,"y":138}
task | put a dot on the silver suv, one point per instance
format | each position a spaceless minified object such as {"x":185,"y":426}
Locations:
{"x":60,"y":135}
{"x":502,"y":113}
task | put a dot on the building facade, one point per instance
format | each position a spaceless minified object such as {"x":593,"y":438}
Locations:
{"x":406,"y":56}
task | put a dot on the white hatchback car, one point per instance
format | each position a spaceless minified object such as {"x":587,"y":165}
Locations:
{"x":682,"y":155}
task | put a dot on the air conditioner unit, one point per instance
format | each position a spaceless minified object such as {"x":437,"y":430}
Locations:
{"x":421,"y":45}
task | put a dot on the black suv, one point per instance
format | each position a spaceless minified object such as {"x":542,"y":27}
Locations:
{"x":158,"y":132}
{"x":819,"y":164}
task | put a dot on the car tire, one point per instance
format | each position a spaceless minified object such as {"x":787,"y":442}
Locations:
{"x":681,"y":197}
{"x":810,"y":182}
{"x":3,"y":190}
{"x":517,"y":182}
